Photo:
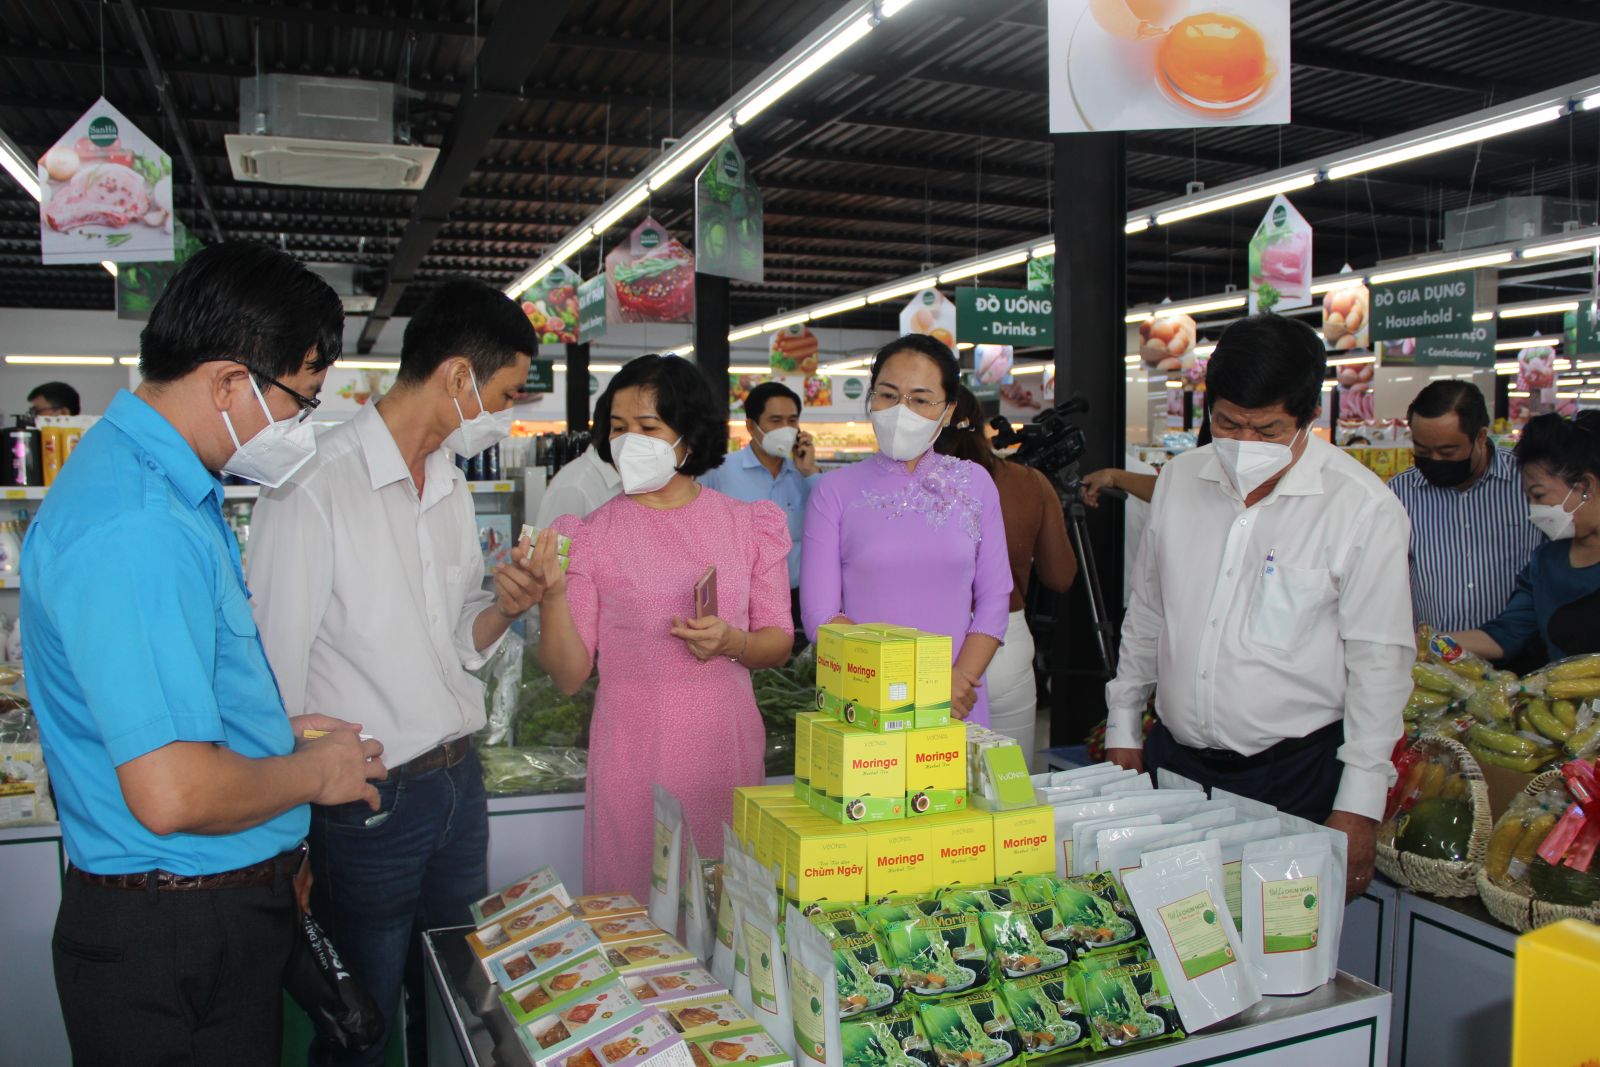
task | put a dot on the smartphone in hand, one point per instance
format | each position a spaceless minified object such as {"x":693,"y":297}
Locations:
{"x":705,"y":594}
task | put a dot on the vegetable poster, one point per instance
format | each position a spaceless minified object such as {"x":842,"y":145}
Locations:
{"x":105,"y":193}
{"x":649,"y":278}
{"x":728,"y":230}
{"x":551,"y":305}
{"x":140,"y":285}
{"x":1280,"y":259}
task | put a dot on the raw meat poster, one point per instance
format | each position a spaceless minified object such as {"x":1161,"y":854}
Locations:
{"x":105,"y":193}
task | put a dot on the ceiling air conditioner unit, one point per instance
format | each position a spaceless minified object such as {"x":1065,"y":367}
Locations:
{"x":349,"y":281}
{"x":331,"y":133}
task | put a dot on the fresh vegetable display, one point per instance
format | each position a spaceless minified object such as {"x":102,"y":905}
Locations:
{"x":781,"y":694}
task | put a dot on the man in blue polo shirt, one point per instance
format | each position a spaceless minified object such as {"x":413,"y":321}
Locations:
{"x":779,"y":464}
{"x":181,"y":784}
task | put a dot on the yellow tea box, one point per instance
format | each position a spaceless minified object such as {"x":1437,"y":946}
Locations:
{"x":898,"y":860}
{"x":865,"y":779}
{"x":774,"y":823}
{"x":930,"y":695}
{"x":1557,"y":968}
{"x":936,"y":770}
{"x":879,"y":681}
{"x":961,"y":848}
{"x":830,"y":668}
{"x":765,"y":816}
{"x":802,"y":752}
{"x":824,"y":773}
{"x":742,"y":796}
{"x":824,"y":860}
{"x":1024,"y":842}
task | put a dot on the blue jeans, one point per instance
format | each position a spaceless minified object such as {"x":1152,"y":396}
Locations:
{"x":381,"y":878}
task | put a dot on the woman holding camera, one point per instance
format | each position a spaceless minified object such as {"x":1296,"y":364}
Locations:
{"x":908,"y":536}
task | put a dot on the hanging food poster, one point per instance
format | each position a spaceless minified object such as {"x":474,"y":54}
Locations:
{"x":818,"y":392}
{"x":1280,"y":259}
{"x":1344,"y":318}
{"x":140,"y":285}
{"x":551,"y":305}
{"x":649,"y":278}
{"x":930,"y":312}
{"x":728,"y":231}
{"x":1167,"y":64}
{"x":105,"y":193}
{"x":1167,"y":342}
{"x":739,"y":386}
{"x":793,"y":352}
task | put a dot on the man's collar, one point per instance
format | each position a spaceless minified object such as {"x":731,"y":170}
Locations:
{"x":166,"y":447}
{"x":747,"y":458}
{"x":385,"y":464}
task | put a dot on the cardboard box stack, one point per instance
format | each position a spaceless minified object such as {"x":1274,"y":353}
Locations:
{"x":880,"y":800}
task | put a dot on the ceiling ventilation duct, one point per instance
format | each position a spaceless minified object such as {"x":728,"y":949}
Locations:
{"x":329,"y":133}
{"x":352,"y":283}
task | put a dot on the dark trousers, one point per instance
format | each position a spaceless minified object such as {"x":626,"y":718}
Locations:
{"x":382,"y":878}
{"x":174,"y":977}
{"x":1302,"y":782}
{"x":800,"y":641}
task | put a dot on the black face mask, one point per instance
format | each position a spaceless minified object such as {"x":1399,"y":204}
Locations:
{"x":1445,"y":473}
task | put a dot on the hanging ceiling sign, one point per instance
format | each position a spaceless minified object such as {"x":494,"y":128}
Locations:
{"x":931,"y":313}
{"x":592,"y":309}
{"x":1154,"y":65}
{"x":140,"y":285}
{"x":1424,"y":307}
{"x":728,"y":232}
{"x":1280,"y":259}
{"x":105,"y":193}
{"x":1472,"y":348}
{"x":1005,"y":316}
{"x":1582,"y":328}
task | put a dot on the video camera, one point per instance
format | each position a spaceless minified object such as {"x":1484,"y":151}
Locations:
{"x":1050,"y":444}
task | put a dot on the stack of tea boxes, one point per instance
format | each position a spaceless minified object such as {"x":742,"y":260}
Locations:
{"x":883,"y":780}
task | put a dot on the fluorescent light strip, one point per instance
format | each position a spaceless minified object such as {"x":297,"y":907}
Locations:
{"x":825,"y":52}
{"x":19,"y":166}
{"x":1482,"y":316}
{"x":368,"y":364}
{"x":1518,"y":394}
{"x":750,"y":370}
{"x":1243,"y":196}
{"x":860,"y":363}
{"x":1134,"y":317}
{"x":1032,"y":368}
{"x":1506,"y":368}
{"x":1447,"y":266}
{"x":1344,"y":281}
{"x":605,"y":368}
{"x":1138,"y":225}
{"x":1566,"y":396}
{"x":110,"y":267}
{"x":1040,"y":251}
{"x":1559,"y":248}
{"x":1352,"y":361}
{"x":620,"y":208}
{"x":983,"y":265}
{"x":1527,"y":342}
{"x":746,"y":333}
{"x":1432,"y":145}
{"x":1589,"y":364}
{"x":686,"y":153}
{"x":1522,"y":311}
{"x":129,"y":361}
{"x":62,"y":361}
{"x":1197,"y":307}
{"x":891,"y":8}
{"x":681,"y":350}
{"x":783,"y":323}
{"x":962,"y":346}
{"x":839,"y":307}
{"x":905,"y":288}
{"x":1130,"y":359}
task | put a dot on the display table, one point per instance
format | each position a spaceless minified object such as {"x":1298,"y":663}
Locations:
{"x":1345,"y":1022}
{"x":1453,"y":972}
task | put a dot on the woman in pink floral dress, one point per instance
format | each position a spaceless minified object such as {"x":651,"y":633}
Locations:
{"x":675,"y":704}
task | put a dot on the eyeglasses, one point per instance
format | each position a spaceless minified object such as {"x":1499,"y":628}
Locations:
{"x":884,"y":399}
{"x":307,"y":404}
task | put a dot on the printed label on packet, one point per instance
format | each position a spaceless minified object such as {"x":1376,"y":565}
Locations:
{"x":1233,"y":891}
{"x":810,"y":1024}
{"x":763,"y":987}
{"x":1290,"y":914}
{"x":658,"y":865}
{"x":1197,"y":935}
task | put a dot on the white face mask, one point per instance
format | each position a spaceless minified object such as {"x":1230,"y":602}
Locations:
{"x":1250,"y":464}
{"x":272,"y":456}
{"x":484,"y":430}
{"x":1554,"y":520}
{"x":779,"y":444}
{"x":645,"y":463}
{"x":902,"y":434}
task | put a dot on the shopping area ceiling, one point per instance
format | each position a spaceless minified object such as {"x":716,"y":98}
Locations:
{"x":926,"y":143}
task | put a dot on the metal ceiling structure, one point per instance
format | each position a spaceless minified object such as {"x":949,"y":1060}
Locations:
{"x":926,"y":143}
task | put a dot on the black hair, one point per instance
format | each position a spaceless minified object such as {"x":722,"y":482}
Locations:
{"x":246,"y":302}
{"x":968,"y":441}
{"x":755,"y":405}
{"x":57,"y":395}
{"x":1567,"y":448}
{"x":1452,"y":394}
{"x":929,"y":348}
{"x":1269,"y":359}
{"x":684,"y":402}
{"x":468,"y":319}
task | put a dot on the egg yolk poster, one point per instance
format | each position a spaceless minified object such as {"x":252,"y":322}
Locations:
{"x":1167,"y":64}
{"x":932,"y":313}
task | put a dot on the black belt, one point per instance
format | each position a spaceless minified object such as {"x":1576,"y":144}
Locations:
{"x":1223,"y":758}
{"x":446,"y":755}
{"x":256,"y":876}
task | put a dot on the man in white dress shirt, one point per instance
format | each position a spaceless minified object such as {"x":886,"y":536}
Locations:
{"x":1271,"y":607}
{"x":369,"y":594}
{"x":579,"y":488}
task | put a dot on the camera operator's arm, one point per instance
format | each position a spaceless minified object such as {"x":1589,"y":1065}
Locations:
{"x":1142,"y":486}
{"x":1128,"y":693}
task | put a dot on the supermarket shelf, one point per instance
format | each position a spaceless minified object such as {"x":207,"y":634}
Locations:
{"x":493,"y":487}
{"x":10,"y":581}
{"x":22,"y":492}
{"x":240,"y":492}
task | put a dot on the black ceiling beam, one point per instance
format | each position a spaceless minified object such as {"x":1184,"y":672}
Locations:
{"x":1341,"y":62}
{"x":1560,"y":10}
{"x":141,"y":36}
{"x":507,"y":56}
{"x":321,"y":14}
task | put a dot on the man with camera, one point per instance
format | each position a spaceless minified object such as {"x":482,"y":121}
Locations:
{"x":1270,"y":608}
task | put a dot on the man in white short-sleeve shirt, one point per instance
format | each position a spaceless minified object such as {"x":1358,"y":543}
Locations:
{"x":1271,"y":607}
